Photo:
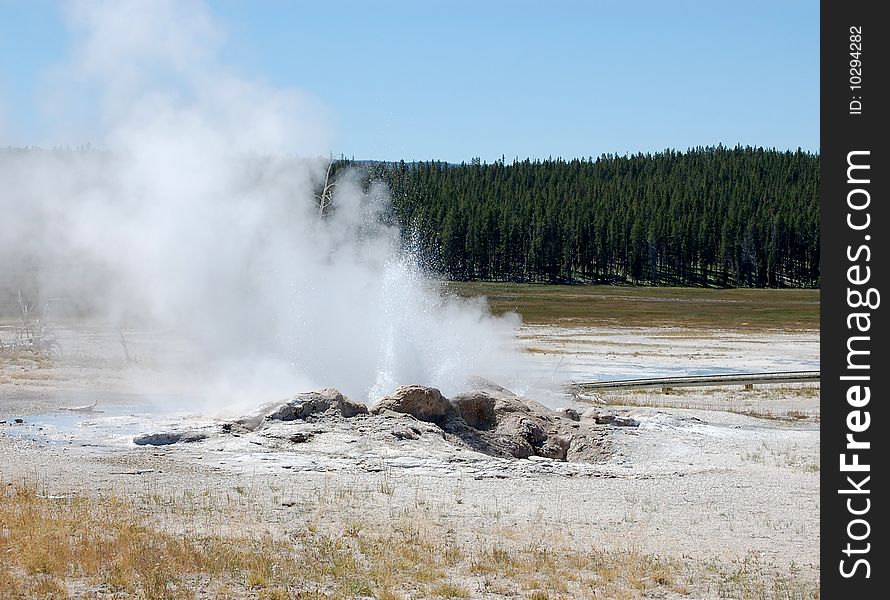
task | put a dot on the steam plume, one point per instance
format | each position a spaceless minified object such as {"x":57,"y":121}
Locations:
{"x":199,"y":216}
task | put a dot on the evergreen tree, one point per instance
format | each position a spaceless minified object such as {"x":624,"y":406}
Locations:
{"x":711,"y":216}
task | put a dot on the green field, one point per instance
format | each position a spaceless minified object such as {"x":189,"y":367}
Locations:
{"x":628,"y":306}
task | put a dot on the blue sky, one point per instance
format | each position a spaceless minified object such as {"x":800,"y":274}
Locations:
{"x":458,"y":79}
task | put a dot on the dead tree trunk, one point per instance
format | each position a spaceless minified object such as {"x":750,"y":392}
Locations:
{"x":326,"y":197}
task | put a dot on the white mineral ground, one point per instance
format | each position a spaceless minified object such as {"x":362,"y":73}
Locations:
{"x":710,"y":474}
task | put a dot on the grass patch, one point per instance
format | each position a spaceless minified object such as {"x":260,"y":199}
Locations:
{"x":750,"y":579}
{"x":784,"y":456}
{"x":582,"y":305}
{"x":751,"y":403}
{"x":61,"y":547}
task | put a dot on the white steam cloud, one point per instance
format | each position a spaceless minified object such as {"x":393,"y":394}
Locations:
{"x":198,"y":215}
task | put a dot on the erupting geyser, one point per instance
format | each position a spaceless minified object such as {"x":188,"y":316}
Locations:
{"x":197,"y":216}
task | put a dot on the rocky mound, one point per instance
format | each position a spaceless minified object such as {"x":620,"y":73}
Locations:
{"x":422,"y":403}
{"x":493,"y":420}
{"x":167,"y":438}
{"x":487,"y":419}
{"x":326,"y":402}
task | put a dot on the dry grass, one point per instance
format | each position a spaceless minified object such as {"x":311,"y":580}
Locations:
{"x":786,"y":455}
{"x":743,"y":402}
{"x":61,"y":546}
{"x":55,"y":547}
{"x":628,"y":306}
{"x":791,"y":415}
{"x":749,"y":579}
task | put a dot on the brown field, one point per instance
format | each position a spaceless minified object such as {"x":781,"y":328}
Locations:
{"x":591,"y":305}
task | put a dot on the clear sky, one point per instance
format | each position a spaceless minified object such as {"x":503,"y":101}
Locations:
{"x":453,"y":80}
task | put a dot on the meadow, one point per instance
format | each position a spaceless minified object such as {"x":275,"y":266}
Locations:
{"x":630,"y":306}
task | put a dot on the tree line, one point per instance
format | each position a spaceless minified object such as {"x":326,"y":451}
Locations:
{"x":710,"y":216}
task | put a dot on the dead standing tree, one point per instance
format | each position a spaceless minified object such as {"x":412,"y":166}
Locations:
{"x":325,"y":198}
{"x":33,"y":333}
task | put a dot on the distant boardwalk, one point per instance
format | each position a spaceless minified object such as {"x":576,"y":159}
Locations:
{"x":746,"y":379}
